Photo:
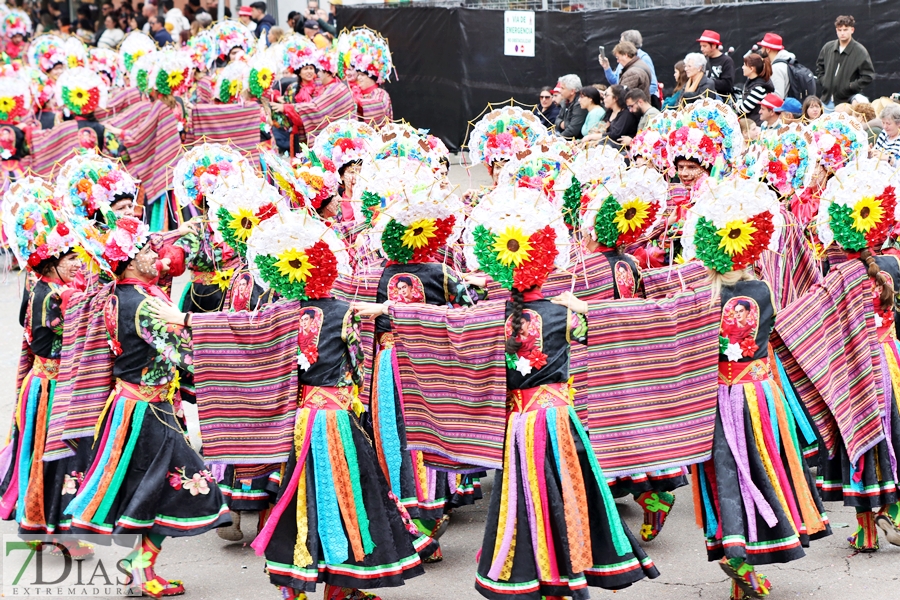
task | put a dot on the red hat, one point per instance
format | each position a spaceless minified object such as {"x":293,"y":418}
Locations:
{"x":245,"y":11}
{"x":557,"y":89}
{"x":772,"y":101}
{"x":711,"y":37}
{"x":772,"y":41}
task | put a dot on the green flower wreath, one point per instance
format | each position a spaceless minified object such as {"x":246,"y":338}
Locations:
{"x":706,"y":240}
{"x":228,"y":234}
{"x":369,"y":201}
{"x":487,"y":257}
{"x":842,"y":226}
{"x":225,"y":91}
{"x":142,"y":81}
{"x":572,"y":205}
{"x":162,"y":83}
{"x":256,"y":90}
{"x":295,"y":290}
{"x":604,"y":224}
{"x":392,"y":242}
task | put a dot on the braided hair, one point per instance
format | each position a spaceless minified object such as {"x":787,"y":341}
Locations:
{"x":874,"y":272}
{"x":516,"y":319}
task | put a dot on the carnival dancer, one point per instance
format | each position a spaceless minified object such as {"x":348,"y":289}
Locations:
{"x":48,"y":54}
{"x":233,"y":41}
{"x":15,"y":92}
{"x":754,"y":498}
{"x":44,"y":240}
{"x":145,"y":477}
{"x":299,"y":56}
{"x":366,"y":54}
{"x":334,"y":101}
{"x":335,"y":522}
{"x":80,"y":92}
{"x":15,"y":29}
{"x":347,"y":144}
{"x":857,"y":211}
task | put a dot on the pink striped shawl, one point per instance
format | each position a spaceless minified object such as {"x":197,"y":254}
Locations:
{"x":651,"y":389}
{"x":792,"y":270}
{"x":335,"y":102}
{"x":453,"y":369}
{"x":375,"y":107}
{"x":826,"y":340}
{"x":235,"y":124}
{"x":664,"y":281}
{"x":51,"y":147}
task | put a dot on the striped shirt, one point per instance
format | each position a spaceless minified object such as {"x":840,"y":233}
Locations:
{"x":883,"y":144}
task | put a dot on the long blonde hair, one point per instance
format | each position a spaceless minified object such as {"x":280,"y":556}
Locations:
{"x":718,"y":280}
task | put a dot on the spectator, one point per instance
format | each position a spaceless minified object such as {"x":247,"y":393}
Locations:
{"x":175,"y":21}
{"x":769,"y":110}
{"x":112,"y":33}
{"x":211,"y":7}
{"x":635,"y":74}
{"x":634,"y":36}
{"x":749,"y":130}
{"x":292,"y":19}
{"x":136,"y":23}
{"x":547,"y":109}
{"x":276,"y":34}
{"x":557,"y":95}
{"x":589,"y":99}
{"x":758,"y":71}
{"x":772,"y":47}
{"x":888,"y":141}
{"x":64,"y":24}
{"x":791,"y":110}
{"x":698,"y":84}
{"x":680,"y":81}
{"x":315,"y":13}
{"x":106,"y":9}
{"x":159,"y":32}
{"x":571,"y":115}
{"x":204,"y":20}
{"x":719,"y":66}
{"x":264,"y":22}
{"x":245,"y":16}
{"x":843,"y":67}
{"x":639,"y":104}
{"x":85,"y":30}
{"x":812,"y":108}
{"x":620,"y":122}
{"x":311,"y":30}
{"x":150,"y":9}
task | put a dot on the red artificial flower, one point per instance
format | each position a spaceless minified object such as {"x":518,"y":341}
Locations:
{"x":533,"y":272}
{"x":328,"y":165}
{"x":116,"y":347}
{"x":888,"y":201}
{"x":761,"y":238}
{"x":266,"y":211}
{"x":632,"y":236}
{"x":129,"y":224}
{"x":213,"y":169}
{"x":311,"y":353}
{"x":537,"y":359}
{"x":62,"y":229}
{"x":347,"y":144}
{"x":442,"y":230}
{"x":748,"y":347}
{"x":42,"y":252}
{"x":34,"y":260}
{"x":175,"y":480}
{"x":324,"y":264}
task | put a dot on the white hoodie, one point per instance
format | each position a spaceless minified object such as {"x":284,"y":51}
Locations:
{"x":780,"y":77}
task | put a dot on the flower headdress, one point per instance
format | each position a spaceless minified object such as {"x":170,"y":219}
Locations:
{"x":142,"y":70}
{"x":202,"y":168}
{"x":81,"y":91}
{"x":15,"y":99}
{"x":731,"y":223}
{"x":590,"y":167}
{"x":858,"y":208}
{"x":17,"y":22}
{"x":317,"y":178}
{"x":516,"y":237}
{"x":652,"y":141}
{"x":42,"y":90}
{"x":229,"y":81}
{"x":46,"y":51}
{"x":299,"y":256}
{"x":284,"y":177}
{"x":89,"y":182}
{"x":125,"y":238}
{"x":76,"y":52}
{"x":344,"y":142}
{"x":135,"y":45}
{"x":792,"y":157}
{"x":366,"y":51}
{"x":239,"y":205}
{"x":34,"y":224}
{"x":202,"y":50}
{"x":171,"y":73}
{"x":383,"y":183}
{"x":754,"y":164}
{"x":261,"y":74}
{"x":401,"y":139}
{"x":840,"y":138}
{"x":623,"y":208}
{"x":327,"y":59}
{"x":106,"y":62}
{"x":544,"y":167}
{"x":503,"y":133}
{"x":230,"y":34}
{"x":438,"y":149}
{"x":298,"y":52}
{"x":705,"y":131}
{"x":416,"y":224}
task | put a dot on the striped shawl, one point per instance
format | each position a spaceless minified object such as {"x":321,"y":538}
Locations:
{"x":234,"y":124}
{"x":333,"y":103}
{"x":375,"y":107}
{"x":792,"y":270}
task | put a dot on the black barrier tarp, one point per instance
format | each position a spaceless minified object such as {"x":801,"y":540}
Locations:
{"x":451,"y":61}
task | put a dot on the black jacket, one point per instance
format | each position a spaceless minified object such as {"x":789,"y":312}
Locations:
{"x":264,"y":25}
{"x":547,"y":118}
{"x":843,"y":74}
{"x":705,"y":88}
{"x":754,"y":92}
{"x":573,"y":116}
{"x":720,"y":70}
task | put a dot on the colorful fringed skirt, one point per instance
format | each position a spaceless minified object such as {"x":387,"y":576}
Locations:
{"x":244,"y":490}
{"x":872,"y":481}
{"x":665,"y":480}
{"x":552,"y":524}
{"x":334,"y":521}
{"x":33,"y":491}
{"x":756,"y":496}
{"x":145,"y":478}
{"x":422,"y":490}
{"x":465,"y":489}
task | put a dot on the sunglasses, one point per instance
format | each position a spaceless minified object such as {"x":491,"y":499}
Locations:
{"x":546,"y":97}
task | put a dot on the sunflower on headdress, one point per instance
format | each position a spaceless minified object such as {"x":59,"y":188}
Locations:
{"x":512,"y":247}
{"x":294,"y":264}
{"x":242,"y":223}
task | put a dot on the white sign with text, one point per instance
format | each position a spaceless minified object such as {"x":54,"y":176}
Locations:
{"x":518,"y":32}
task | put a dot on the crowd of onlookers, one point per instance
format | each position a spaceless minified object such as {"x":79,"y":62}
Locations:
{"x":776,"y":89}
{"x":105,"y":24}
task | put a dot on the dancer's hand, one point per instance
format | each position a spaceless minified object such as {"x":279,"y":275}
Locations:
{"x":569,"y":300}
{"x":165,"y":311}
{"x":475,"y":279}
{"x":368,"y":310}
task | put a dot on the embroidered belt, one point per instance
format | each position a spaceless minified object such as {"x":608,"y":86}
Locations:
{"x":144,"y":393}
{"x":386,"y":340}
{"x":326,"y":398}
{"x":543,"y":396}
{"x":203,"y":277}
{"x":45,"y":368}
{"x":731,"y":373}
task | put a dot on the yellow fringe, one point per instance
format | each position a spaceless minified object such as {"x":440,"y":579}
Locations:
{"x":302,"y":557}
{"x":506,"y":571}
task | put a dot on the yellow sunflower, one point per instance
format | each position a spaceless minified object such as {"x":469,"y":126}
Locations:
{"x":79,"y":96}
{"x":294,"y":264}
{"x":286,"y":186}
{"x":73,"y":62}
{"x":175,"y":78}
{"x":7,"y":104}
{"x":736,"y":237}
{"x":222,"y":279}
{"x":512,"y":247}
{"x":264,"y":78}
{"x":419,"y":233}
{"x":87,"y":260}
{"x":866,"y":214}
{"x":632,"y":215}
{"x":234,"y":88}
{"x":242,"y":223}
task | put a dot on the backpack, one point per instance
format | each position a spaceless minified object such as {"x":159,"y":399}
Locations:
{"x":801,"y":81}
